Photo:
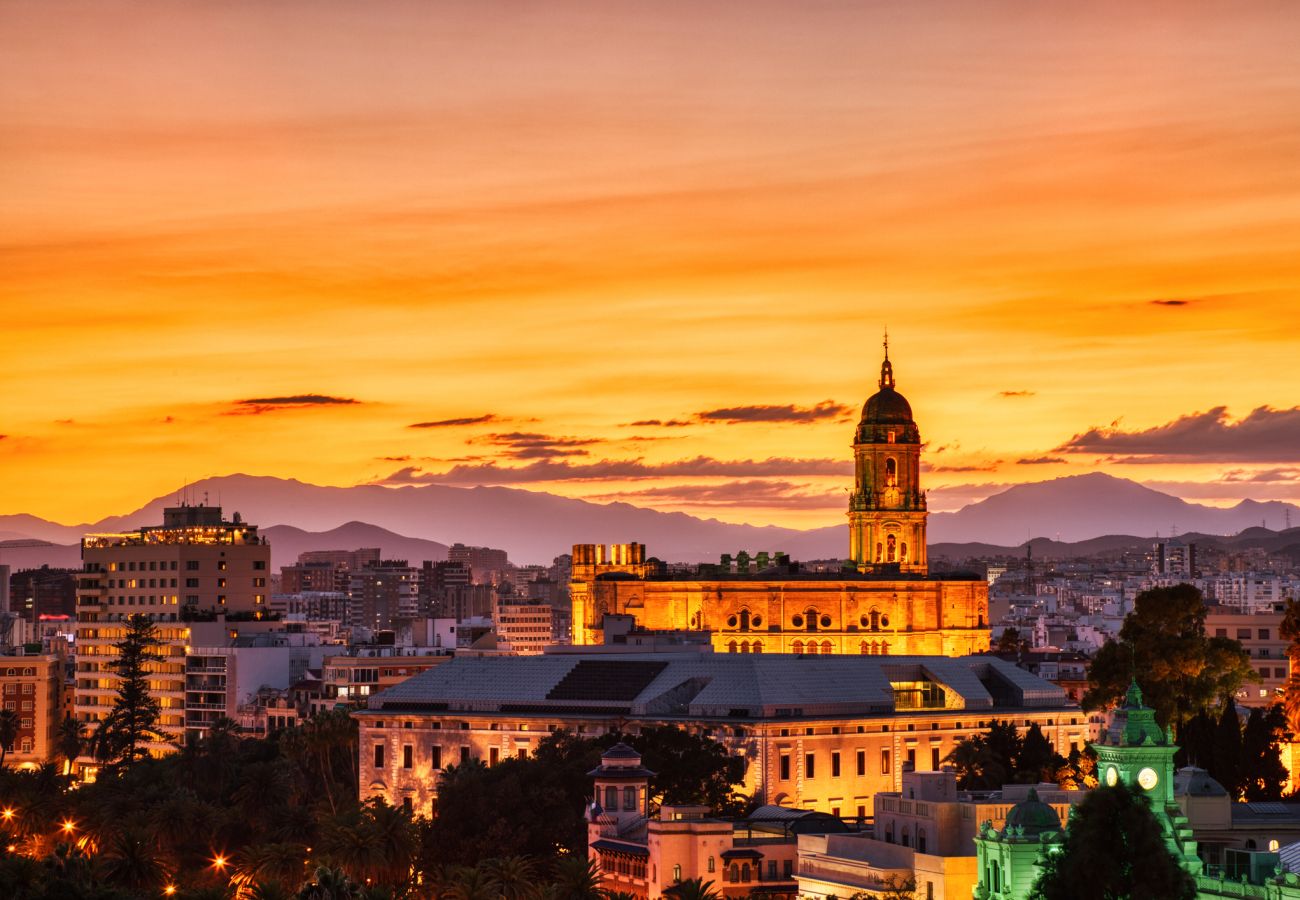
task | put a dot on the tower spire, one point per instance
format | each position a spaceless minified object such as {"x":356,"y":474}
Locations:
{"x":886,"y":368}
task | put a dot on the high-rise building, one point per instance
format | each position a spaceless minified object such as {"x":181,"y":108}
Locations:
{"x":325,"y":570}
{"x":194,"y":566}
{"x":31,"y":687}
{"x":34,"y":593}
{"x":487,"y":564}
{"x":384,"y":593}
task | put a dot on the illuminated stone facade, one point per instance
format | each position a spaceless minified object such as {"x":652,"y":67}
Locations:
{"x":885,"y":603}
{"x":887,"y":508}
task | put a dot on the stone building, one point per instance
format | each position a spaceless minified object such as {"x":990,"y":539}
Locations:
{"x":811,"y":732}
{"x":885,"y":602}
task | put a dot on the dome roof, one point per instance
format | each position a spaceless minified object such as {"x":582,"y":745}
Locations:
{"x":887,"y":407}
{"x":1033,"y":816}
{"x":1194,"y":782}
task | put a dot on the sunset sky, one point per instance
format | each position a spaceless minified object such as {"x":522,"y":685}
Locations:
{"x":646,"y":252}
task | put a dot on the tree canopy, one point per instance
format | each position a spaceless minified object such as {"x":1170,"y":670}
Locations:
{"x":1113,"y":850}
{"x":1002,"y":755}
{"x":1182,"y":671}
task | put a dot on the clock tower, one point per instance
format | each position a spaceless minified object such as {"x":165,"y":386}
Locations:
{"x":1135,"y":750}
{"x":887,"y":510}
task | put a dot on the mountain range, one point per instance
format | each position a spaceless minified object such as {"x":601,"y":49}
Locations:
{"x":419,"y":522}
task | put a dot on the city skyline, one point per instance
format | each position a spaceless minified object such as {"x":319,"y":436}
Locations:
{"x":645,"y":255}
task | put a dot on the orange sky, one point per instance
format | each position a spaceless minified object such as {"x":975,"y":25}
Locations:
{"x":572,"y":217}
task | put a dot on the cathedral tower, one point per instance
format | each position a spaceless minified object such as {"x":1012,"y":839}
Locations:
{"x":887,"y":509}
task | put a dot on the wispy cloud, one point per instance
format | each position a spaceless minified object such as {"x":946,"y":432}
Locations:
{"x":456,"y":423}
{"x":827,"y":409}
{"x":531,"y":445}
{"x":1171,"y":302}
{"x":735,"y":494}
{"x":1017,"y":393}
{"x":1266,"y":435}
{"x":1039,"y":460}
{"x":547,"y":470}
{"x":657,"y":423}
{"x":258,"y":405}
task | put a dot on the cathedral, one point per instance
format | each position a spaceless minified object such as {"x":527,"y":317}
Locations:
{"x":884,"y":601}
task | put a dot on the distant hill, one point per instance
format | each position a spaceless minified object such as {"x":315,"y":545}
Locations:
{"x":534,"y":527}
{"x":288,"y":542}
{"x":1085,"y":506}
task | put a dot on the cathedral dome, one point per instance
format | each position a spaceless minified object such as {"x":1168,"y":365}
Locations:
{"x":887,"y":407}
{"x":1033,"y":816}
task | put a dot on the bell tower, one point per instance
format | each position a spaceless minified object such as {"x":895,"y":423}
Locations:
{"x":887,"y":510}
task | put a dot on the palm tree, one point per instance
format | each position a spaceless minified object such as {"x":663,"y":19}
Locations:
{"x":693,"y":889}
{"x":516,"y":876}
{"x":330,"y":884}
{"x":280,"y":864}
{"x":577,"y":878}
{"x":131,"y":860}
{"x":8,"y":732}
{"x":471,"y":883}
{"x":69,"y":740}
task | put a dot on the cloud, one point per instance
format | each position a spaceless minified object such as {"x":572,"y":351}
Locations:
{"x":393,"y":458}
{"x":990,"y":467}
{"x":755,"y":493}
{"x":1264,"y":476}
{"x":257,"y":405}
{"x":827,"y":409}
{"x":547,"y":470}
{"x":454,"y":423}
{"x":657,"y":423}
{"x":1017,"y":393}
{"x":1266,"y":435}
{"x":530,"y":445}
{"x":1038,"y":460}
{"x":1171,"y":302}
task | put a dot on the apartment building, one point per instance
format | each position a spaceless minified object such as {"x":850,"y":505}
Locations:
{"x":195,"y":566}
{"x":32,"y":688}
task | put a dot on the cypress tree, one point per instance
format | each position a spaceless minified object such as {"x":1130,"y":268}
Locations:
{"x":1227,"y":750}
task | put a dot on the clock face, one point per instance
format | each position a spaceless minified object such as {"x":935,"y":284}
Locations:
{"x":1112,"y":776}
{"x":1147,"y":778}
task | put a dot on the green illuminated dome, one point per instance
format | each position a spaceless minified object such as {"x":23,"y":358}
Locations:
{"x":1033,"y":816}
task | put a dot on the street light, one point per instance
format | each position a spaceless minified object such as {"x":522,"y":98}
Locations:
{"x":219,"y":862}
{"x":7,"y":813}
{"x":169,"y":890}
{"x":69,"y":826}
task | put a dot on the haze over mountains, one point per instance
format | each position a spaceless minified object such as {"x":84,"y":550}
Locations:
{"x":419,"y":522}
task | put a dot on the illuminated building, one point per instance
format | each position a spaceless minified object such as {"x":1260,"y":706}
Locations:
{"x":885,"y":604}
{"x":31,"y":687}
{"x":645,"y":852}
{"x":529,"y":627}
{"x":382,"y":594}
{"x":811,"y":732}
{"x":195,"y":566}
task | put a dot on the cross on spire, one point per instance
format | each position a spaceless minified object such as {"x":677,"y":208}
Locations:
{"x":886,"y":368}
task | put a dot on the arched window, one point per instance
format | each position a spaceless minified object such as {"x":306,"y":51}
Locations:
{"x":797,"y":646}
{"x":865,"y":648}
{"x":891,"y":471}
{"x":744,"y":620}
{"x":827,"y":648}
{"x":920,"y":841}
{"x":875,"y":620}
{"x":677,"y":873}
{"x":611,"y":799}
{"x":710,"y":863}
{"x":629,"y":798}
{"x":744,"y":646}
{"x":906,"y":838}
{"x":744,"y":872}
{"x":810,"y":619}
{"x":889,"y":833}
{"x":757,"y":647}
{"x":731,"y":648}
{"x":812,"y":647}
{"x":735,"y":872}
{"x":884,"y":648}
